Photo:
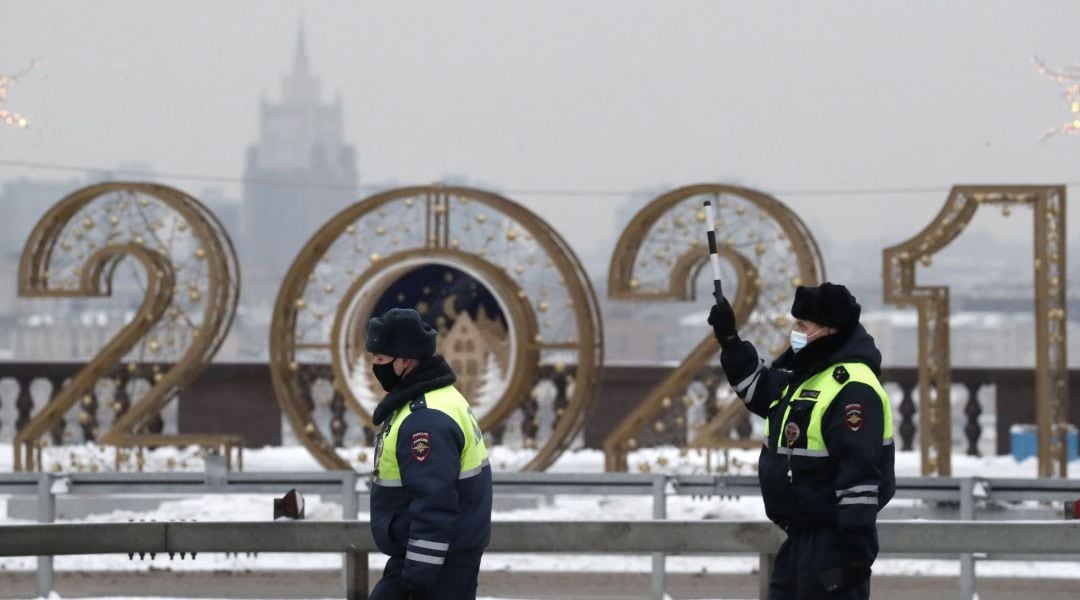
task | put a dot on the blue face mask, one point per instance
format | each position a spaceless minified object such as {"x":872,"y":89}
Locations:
{"x":799,"y":340}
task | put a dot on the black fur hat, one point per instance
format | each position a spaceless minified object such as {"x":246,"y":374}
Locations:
{"x":828,"y":304}
{"x":400,"y":333}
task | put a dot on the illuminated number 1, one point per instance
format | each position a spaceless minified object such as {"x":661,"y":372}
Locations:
{"x":932,"y":302}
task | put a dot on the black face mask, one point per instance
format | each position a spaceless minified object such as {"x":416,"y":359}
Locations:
{"x":388,"y":379}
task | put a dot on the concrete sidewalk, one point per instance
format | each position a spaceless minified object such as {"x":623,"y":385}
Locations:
{"x":499,"y":584}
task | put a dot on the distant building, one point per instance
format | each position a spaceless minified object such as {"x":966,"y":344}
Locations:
{"x":23,"y":202}
{"x":298,"y":174}
{"x":225,"y":208}
{"x":63,"y":335}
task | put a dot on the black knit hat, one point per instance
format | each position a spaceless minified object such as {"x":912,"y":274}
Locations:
{"x":828,"y":304}
{"x":400,"y":333}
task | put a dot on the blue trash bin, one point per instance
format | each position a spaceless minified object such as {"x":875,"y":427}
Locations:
{"x":1024,"y":442}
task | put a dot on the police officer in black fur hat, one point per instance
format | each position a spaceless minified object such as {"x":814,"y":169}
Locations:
{"x":431,"y":498}
{"x":826,"y":465}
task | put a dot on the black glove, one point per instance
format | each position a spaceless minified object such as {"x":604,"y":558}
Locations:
{"x":851,"y":574}
{"x":722,"y":319}
{"x":411,"y":590}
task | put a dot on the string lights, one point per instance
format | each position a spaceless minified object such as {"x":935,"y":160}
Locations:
{"x":1070,"y":78}
{"x":7,"y":117}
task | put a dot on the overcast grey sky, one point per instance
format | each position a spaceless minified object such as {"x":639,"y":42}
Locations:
{"x":609,"y":96}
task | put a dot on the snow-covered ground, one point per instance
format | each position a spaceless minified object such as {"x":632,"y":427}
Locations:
{"x":247,"y":507}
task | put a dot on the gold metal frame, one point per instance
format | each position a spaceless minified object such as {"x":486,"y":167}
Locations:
{"x":932,"y":303}
{"x":440,"y":216}
{"x":689,"y":257}
{"x":369,"y":286}
{"x":38,"y":268}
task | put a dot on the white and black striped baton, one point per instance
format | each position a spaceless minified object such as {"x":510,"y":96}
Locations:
{"x":714,"y":258}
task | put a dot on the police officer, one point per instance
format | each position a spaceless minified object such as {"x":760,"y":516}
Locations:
{"x":826,"y":466}
{"x":431,"y":498}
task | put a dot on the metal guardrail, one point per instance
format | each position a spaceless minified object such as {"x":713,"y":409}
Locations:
{"x":947,"y":489}
{"x":598,"y":537}
{"x":963,"y":493}
{"x":941,"y":489}
{"x":215,"y":480}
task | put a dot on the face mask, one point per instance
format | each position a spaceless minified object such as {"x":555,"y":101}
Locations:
{"x":799,"y":340}
{"x":388,"y":379}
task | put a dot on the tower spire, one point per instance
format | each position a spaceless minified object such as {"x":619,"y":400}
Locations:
{"x":300,"y":60}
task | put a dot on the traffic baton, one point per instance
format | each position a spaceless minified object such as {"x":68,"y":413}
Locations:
{"x":714,"y":258}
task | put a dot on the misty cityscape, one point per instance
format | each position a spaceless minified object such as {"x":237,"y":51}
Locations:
{"x":338,"y":298}
{"x":301,"y":169}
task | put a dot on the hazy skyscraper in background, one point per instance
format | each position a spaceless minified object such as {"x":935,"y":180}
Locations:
{"x":298,"y":174}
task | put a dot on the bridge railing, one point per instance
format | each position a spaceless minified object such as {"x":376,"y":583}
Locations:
{"x":944,"y":497}
{"x":239,"y":398}
{"x":353,"y":538}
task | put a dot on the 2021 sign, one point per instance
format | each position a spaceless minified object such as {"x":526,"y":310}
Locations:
{"x":513,"y":300}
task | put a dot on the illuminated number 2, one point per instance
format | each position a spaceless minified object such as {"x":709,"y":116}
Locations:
{"x":189,"y":283}
{"x":659,"y":257}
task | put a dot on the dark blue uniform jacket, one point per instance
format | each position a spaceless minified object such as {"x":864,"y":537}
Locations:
{"x":859,"y":463}
{"x":433,"y":504}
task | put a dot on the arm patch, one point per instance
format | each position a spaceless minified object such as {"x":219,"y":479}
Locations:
{"x":853,"y":417}
{"x":420,"y":446}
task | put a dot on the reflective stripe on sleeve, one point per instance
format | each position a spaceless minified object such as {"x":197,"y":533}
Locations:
{"x":424,"y":558}
{"x":389,"y":482}
{"x":859,"y":489}
{"x":430,"y":545}
{"x":745,"y":383}
{"x":859,"y":500}
{"x":474,"y":472}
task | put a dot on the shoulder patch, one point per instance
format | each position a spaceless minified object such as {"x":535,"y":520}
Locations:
{"x":840,"y":374}
{"x":853,"y":416}
{"x":420,"y":446}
